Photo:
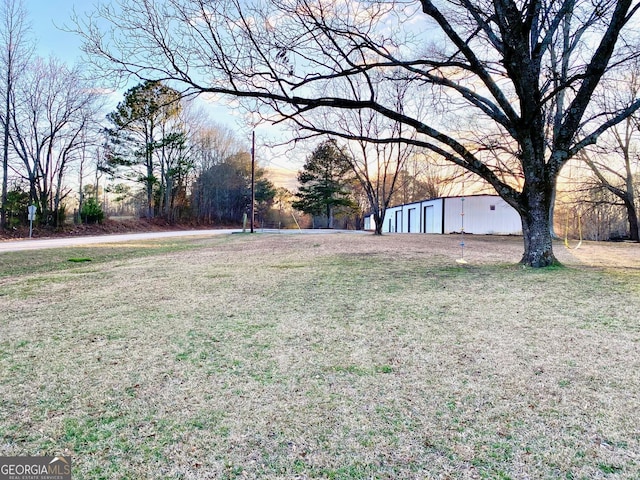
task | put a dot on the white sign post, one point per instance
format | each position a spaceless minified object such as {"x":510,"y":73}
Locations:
{"x":32,"y":217}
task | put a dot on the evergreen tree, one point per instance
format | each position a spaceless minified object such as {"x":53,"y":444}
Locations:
{"x":324,"y":182}
{"x":265,"y":195}
{"x":145,"y":126}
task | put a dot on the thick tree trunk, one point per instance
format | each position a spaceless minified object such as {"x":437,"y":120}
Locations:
{"x":632,"y":216}
{"x":5,"y":173}
{"x":149,"y":200}
{"x":5,"y":169}
{"x":329,"y":216}
{"x":149,"y":187}
{"x":378,"y":221}
{"x":536,"y":221}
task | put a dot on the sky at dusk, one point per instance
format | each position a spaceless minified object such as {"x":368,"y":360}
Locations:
{"x":48,"y":19}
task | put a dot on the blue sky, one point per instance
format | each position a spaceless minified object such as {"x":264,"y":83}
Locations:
{"x":46,"y":17}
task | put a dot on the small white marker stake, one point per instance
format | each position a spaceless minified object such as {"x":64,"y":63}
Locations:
{"x":461,"y":259}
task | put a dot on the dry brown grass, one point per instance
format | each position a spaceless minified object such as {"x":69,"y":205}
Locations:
{"x":326,"y":356}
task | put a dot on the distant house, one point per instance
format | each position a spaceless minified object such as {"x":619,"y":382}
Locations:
{"x":483,"y":215}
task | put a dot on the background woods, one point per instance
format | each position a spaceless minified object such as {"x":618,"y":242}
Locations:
{"x":535,"y":101}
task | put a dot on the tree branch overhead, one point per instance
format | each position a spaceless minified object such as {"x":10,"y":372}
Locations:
{"x":504,"y":68}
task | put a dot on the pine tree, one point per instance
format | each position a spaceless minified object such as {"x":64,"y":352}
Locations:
{"x":145,"y":127}
{"x":324,"y":182}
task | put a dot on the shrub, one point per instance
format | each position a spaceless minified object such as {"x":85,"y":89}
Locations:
{"x":16,"y":207}
{"x":91,"y":211}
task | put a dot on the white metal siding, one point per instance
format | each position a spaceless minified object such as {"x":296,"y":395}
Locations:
{"x":389,"y":223}
{"x":412,"y":222}
{"x":397,"y":221}
{"x":431,"y":215}
{"x":427,"y":216}
{"x":479,"y":218}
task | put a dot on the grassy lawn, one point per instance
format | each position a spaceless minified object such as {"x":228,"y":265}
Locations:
{"x":322,"y":356}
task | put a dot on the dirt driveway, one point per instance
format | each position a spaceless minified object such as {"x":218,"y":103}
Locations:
{"x":29,"y":244}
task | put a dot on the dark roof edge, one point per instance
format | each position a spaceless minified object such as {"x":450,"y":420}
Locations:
{"x":445,"y":198}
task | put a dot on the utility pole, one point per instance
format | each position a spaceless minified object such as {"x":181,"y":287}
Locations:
{"x":253,"y":177}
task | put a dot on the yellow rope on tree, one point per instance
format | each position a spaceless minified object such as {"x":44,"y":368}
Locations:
{"x":566,"y":233}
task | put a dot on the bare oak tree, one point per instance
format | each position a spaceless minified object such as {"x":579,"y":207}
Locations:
{"x":377,"y":166}
{"x":523,"y":71}
{"x":425,"y":177}
{"x":51,"y":112}
{"x":15,"y":53}
{"x":615,"y":161}
{"x":616,"y":170}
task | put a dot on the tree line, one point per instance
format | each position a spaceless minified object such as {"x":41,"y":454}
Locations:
{"x":510,"y":92}
{"x":154,"y":151}
{"x":48,"y":120}
{"x":185,"y":167}
{"x":504,"y":89}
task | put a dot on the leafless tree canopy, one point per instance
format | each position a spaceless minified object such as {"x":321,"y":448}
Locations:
{"x":51,"y":112}
{"x":502,"y":88}
{"x":15,"y":51}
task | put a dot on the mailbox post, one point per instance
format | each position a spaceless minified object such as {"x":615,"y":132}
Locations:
{"x":32,"y":217}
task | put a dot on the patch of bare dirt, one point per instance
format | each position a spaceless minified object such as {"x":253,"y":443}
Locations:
{"x":608,"y":254}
